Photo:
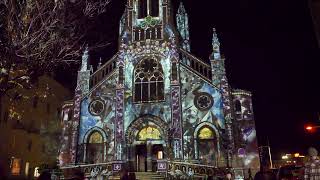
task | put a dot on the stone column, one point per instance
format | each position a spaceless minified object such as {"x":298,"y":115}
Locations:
{"x":149,"y":156}
{"x":75,"y":126}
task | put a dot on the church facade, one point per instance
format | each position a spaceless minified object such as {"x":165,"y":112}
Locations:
{"x":154,"y":101}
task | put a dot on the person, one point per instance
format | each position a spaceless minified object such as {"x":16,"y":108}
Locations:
{"x":45,"y":175}
{"x":228,"y":175}
{"x":132,"y":176}
{"x":124,"y":174}
{"x":265,"y":174}
{"x":78,"y":175}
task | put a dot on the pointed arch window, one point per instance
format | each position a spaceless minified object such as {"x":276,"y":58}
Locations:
{"x":148,"y":8}
{"x":148,"y":81}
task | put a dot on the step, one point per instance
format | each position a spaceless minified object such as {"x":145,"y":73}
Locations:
{"x":148,"y":176}
{"x":143,"y":176}
{"x":114,"y":178}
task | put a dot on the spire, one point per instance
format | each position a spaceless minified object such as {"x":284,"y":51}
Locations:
{"x":181,"y":9}
{"x":215,"y":46}
{"x":122,"y":22}
{"x":85,"y":57}
{"x":183,"y":27}
{"x":100,"y":63}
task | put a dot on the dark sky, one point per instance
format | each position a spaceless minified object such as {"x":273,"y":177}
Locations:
{"x":270,"y":49}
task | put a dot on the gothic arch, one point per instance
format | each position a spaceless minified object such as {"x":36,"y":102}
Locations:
{"x":86,"y":142}
{"x":148,"y":81}
{"x":196,"y":139}
{"x":142,"y":122}
{"x":90,"y":131}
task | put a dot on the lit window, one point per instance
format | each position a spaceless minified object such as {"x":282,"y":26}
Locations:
{"x":206,"y":133}
{"x":16,"y":166}
{"x":149,"y":82}
{"x":26,"y":170}
{"x":36,"y":172}
{"x":160,"y":155}
{"x":149,"y":133}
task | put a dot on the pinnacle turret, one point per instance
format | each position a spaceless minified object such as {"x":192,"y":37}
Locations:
{"x":183,"y":27}
{"x":215,"y":46}
{"x":85,"y":58}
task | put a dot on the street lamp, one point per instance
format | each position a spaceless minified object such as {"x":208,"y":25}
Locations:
{"x":311,"y":128}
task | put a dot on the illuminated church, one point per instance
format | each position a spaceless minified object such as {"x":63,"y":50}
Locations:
{"x":154,"y":104}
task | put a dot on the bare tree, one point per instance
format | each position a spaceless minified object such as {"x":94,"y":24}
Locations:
{"x":37,"y":36}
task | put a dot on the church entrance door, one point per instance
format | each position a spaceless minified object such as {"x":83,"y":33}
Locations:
{"x":147,"y":156}
{"x":141,"y":158}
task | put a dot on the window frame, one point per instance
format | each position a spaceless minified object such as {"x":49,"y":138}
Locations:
{"x":149,"y":9}
{"x":159,"y":81}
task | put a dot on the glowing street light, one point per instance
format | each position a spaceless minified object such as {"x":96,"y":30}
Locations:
{"x":285,"y":157}
{"x":311,"y":128}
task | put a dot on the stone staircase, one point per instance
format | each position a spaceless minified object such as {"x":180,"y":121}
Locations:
{"x":148,"y":176}
{"x":143,"y":176}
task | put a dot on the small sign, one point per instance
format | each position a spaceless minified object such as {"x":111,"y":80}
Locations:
{"x":162,"y":166}
{"x":117,"y":167}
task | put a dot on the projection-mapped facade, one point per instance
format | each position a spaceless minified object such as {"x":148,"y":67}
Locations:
{"x":154,"y":100}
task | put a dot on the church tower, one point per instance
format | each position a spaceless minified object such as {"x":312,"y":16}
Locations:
{"x":148,"y":67}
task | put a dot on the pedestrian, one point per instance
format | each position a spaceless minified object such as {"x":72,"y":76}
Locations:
{"x":78,"y":175}
{"x":265,"y":174}
{"x":124,"y":174}
{"x":45,"y":175}
{"x":132,"y":176}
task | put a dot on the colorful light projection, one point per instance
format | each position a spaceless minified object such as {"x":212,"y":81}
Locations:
{"x":149,"y":133}
{"x":206,"y":133}
{"x":207,"y":145}
{"x":96,"y":138}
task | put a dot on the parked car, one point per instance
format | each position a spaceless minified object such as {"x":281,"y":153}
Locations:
{"x":290,"y":172}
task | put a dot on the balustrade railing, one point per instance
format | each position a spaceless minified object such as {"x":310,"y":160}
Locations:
{"x":103,"y":71}
{"x":203,"y":69}
{"x":89,"y":170}
{"x":140,"y":34}
{"x":196,"y":170}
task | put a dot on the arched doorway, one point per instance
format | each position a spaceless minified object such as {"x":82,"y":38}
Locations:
{"x":95,"y":146}
{"x":146,"y":142}
{"x":207,"y":144}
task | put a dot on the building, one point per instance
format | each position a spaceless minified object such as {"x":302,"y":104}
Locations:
{"x":28,"y":122}
{"x":154,"y":101}
{"x":314,"y":6}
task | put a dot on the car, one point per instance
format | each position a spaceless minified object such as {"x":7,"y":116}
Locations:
{"x":290,"y":172}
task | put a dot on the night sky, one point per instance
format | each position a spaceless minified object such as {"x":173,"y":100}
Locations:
{"x":270,"y":49}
